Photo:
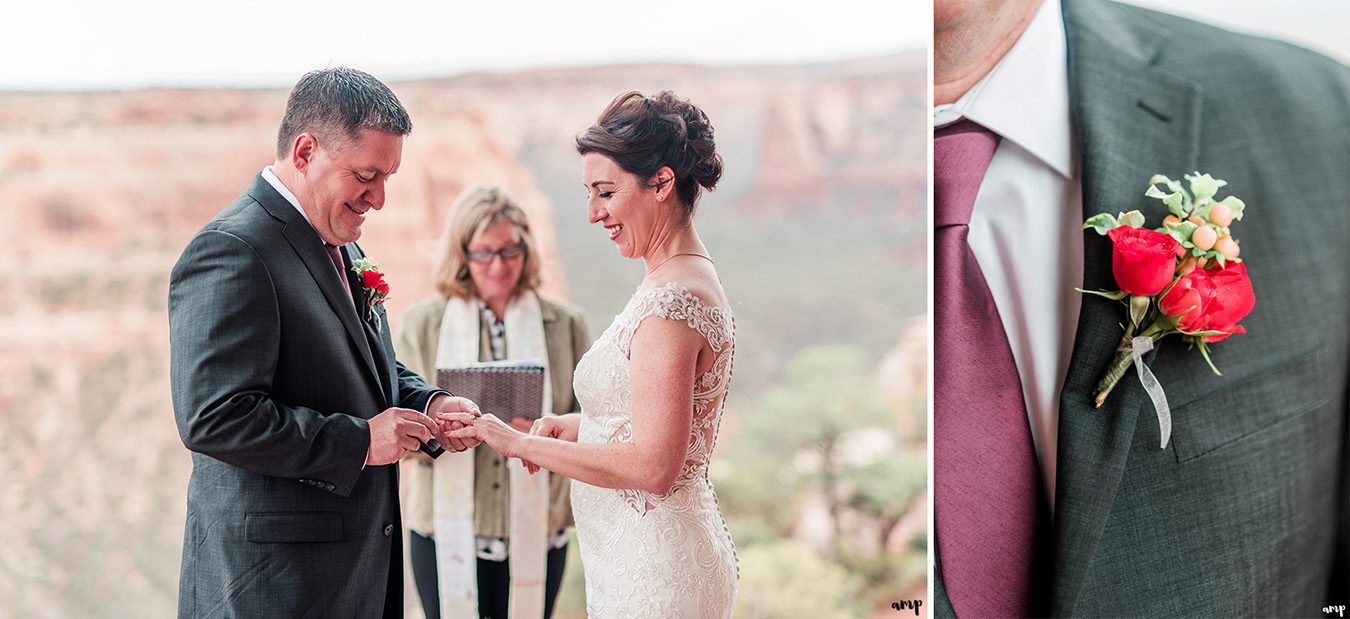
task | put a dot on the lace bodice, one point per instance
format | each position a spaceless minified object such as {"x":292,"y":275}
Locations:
{"x":605,"y":391}
{"x":636,"y":545}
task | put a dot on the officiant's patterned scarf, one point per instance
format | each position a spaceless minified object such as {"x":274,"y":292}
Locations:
{"x":452,"y":493}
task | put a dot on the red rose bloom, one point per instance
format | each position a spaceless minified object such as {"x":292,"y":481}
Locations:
{"x":1233,"y":300}
{"x":1142,"y":260}
{"x":1211,"y":300}
{"x":375,"y":286}
{"x":372,"y":279}
{"x":1189,"y":298}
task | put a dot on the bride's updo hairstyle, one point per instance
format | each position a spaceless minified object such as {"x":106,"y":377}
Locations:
{"x":642,"y":133}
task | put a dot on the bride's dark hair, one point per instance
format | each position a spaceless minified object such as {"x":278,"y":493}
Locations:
{"x":642,"y":133}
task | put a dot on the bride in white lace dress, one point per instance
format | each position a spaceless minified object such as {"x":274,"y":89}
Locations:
{"x":653,"y":542}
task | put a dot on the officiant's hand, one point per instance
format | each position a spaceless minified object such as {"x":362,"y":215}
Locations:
{"x":463,"y":411}
{"x":395,"y":432}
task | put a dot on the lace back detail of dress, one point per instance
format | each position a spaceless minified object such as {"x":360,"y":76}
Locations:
{"x":675,"y":302}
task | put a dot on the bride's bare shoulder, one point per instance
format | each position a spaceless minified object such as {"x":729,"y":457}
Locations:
{"x":699,"y":280}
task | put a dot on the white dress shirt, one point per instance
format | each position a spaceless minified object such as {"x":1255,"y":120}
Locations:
{"x":1026,"y":228}
{"x":271,"y":178}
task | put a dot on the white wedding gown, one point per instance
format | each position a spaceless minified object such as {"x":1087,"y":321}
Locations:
{"x":648,"y":555}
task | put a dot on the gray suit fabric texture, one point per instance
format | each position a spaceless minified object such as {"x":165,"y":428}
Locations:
{"x":1244,"y":514}
{"x":275,"y":374}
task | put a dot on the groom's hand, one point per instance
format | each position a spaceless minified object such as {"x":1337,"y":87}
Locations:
{"x":395,"y":432}
{"x":442,"y":403}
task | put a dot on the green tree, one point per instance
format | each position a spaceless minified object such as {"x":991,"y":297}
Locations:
{"x":885,"y":489}
{"x":786,"y":580}
{"x":794,"y":444}
{"x":827,"y":393}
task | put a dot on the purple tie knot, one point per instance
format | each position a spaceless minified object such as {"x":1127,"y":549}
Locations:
{"x":961,"y":155}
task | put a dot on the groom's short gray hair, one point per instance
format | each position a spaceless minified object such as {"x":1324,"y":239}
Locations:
{"x":340,"y":101}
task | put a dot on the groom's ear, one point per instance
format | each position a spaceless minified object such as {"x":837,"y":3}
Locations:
{"x":302,"y":151}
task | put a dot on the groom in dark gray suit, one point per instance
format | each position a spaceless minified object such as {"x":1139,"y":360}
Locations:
{"x":1245,"y":511}
{"x":285,"y":386}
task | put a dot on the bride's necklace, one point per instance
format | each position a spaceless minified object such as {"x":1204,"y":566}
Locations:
{"x":673,"y":256}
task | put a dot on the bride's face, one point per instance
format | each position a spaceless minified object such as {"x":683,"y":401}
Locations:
{"x":618,"y":201}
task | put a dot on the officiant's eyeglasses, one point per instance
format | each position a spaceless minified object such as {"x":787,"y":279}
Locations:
{"x":508,"y":252}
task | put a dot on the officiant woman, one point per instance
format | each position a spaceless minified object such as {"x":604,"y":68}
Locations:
{"x":488,"y":309}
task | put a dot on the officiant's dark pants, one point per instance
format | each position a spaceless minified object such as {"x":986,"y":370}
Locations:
{"x":494,"y":580}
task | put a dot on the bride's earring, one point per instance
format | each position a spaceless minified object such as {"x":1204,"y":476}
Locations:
{"x":659,"y":197}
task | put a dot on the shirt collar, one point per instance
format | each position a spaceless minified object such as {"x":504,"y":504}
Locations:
{"x":271,"y":178}
{"x":1025,"y":98}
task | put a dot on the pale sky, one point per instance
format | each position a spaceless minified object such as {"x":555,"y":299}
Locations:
{"x":92,"y":44}
{"x":88,"y":44}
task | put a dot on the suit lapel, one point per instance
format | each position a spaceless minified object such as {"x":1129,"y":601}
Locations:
{"x":1133,"y":120}
{"x":374,"y":338}
{"x":309,"y":248}
{"x":384,"y":359}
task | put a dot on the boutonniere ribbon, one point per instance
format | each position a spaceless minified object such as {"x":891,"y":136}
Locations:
{"x":1183,"y":278}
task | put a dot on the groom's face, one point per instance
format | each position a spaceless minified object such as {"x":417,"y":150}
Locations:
{"x":345,"y":181}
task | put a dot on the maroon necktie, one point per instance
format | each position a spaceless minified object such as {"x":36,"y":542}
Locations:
{"x":336,"y":255}
{"x":986,"y":485}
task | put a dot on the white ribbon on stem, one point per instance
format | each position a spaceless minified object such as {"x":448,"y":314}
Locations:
{"x":1139,"y":346}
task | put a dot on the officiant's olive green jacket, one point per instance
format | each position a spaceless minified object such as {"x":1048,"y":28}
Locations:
{"x":1244,"y":513}
{"x":567,"y":338}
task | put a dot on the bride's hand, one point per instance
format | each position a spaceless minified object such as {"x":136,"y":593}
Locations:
{"x":495,"y":432}
{"x":562,"y":427}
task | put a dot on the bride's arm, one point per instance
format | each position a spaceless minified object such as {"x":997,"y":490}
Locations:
{"x":664,"y":356}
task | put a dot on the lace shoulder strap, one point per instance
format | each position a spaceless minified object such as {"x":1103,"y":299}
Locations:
{"x":675,"y":302}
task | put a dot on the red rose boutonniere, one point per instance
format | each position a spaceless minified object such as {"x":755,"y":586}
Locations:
{"x":373,"y":287}
{"x":1183,"y":278}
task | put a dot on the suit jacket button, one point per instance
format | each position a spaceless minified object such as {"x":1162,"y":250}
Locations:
{"x":388,"y":530}
{"x":331,"y":487}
